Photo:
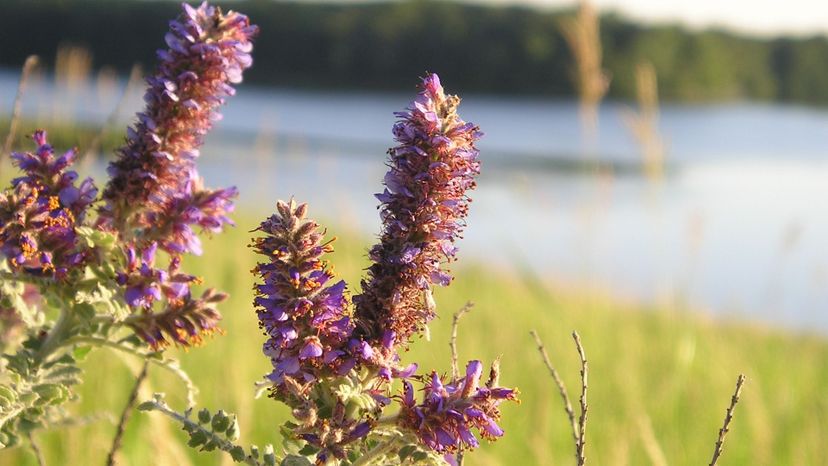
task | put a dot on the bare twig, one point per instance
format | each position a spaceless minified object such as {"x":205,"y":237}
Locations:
{"x":95,"y":146}
{"x":455,"y":321}
{"x":728,"y":418}
{"x":455,"y":371}
{"x":125,"y":414}
{"x":570,"y":413}
{"x":35,"y":449}
{"x":584,"y":407}
{"x":28,"y":66}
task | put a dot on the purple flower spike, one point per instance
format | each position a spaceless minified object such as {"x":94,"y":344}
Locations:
{"x":423,"y":210}
{"x":155,"y":187}
{"x":304,"y":317}
{"x":39,"y":215}
{"x":444,"y":420}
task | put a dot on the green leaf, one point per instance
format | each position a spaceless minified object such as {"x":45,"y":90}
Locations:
{"x":294,"y":460}
{"x":85,"y":310}
{"x":11,"y":292}
{"x":50,"y":394}
{"x":220,"y":421}
{"x":406,"y":451}
{"x":233,"y":431}
{"x":81,"y":352}
{"x":308,"y":450}
{"x":269,"y":456}
{"x":197,"y":438}
{"x":204,"y":416}
{"x":237,"y":453}
{"x":146,"y":406}
{"x":64,"y":374}
{"x":97,"y":238}
{"x":103,"y":299}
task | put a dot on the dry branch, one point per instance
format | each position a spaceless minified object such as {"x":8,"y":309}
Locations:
{"x":578,"y":424}
{"x":455,"y":321}
{"x":570,"y":413}
{"x":717,"y":453}
{"x":125,"y":414}
{"x":581,"y":456}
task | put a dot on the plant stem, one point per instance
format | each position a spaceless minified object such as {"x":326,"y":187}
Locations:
{"x":570,"y":413}
{"x":11,"y":276}
{"x":717,"y":453}
{"x":170,"y":365}
{"x":376,"y":453}
{"x":220,"y":442}
{"x":54,"y":338}
{"x":455,"y":321}
{"x":388,"y":420}
{"x":133,"y":397}
{"x":35,"y":449}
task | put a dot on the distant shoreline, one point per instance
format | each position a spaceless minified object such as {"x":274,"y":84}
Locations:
{"x":379,"y":46}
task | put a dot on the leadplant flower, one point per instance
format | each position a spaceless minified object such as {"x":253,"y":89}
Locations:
{"x":155,"y":191}
{"x":423,"y":208}
{"x":71,"y":280}
{"x":40,"y":214}
{"x":335,"y":364}
{"x":302,"y":310}
{"x":444,"y":419}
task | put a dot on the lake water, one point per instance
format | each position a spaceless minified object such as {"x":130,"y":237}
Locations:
{"x":738,"y":226}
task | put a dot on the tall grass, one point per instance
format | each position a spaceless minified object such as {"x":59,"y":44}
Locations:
{"x":659,"y":380}
{"x":583,"y":36}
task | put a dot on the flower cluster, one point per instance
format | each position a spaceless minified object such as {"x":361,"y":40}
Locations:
{"x":305,"y":317}
{"x":423,"y":210}
{"x":333,"y":367}
{"x":68,"y":278}
{"x":184,"y":321}
{"x":444,"y":419}
{"x":155,"y":187}
{"x":154,"y":199}
{"x":40,"y":214}
{"x":144,"y":284}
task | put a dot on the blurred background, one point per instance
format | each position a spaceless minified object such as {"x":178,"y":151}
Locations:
{"x":654,"y":175}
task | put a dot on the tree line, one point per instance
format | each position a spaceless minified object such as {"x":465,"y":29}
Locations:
{"x":478,"y":49}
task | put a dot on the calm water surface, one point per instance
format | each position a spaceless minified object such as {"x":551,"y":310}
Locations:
{"x":738,"y":227}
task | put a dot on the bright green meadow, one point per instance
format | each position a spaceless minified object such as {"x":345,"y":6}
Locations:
{"x":660,"y":378}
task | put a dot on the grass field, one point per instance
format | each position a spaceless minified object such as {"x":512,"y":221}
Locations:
{"x":660,"y":379}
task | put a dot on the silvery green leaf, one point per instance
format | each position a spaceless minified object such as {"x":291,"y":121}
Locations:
{"x":97,"y":239}
{"x":237,"y":453}
{"x":104,"y":299}
{"x":294,"y":460}
{"x":11,"y":292}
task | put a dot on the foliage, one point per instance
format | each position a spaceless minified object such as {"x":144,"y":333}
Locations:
{"x":335,"y":362}
{"x":511,"y":50}
{"x":73,"y":280}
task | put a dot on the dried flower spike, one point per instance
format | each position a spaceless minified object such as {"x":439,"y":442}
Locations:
{"x":155,"y":187}
{"x":423,"y":210}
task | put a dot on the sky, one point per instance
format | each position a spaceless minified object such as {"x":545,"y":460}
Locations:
{"x":760,"y":17}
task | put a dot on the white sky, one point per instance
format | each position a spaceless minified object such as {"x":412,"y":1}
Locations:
{"x":765,"y":17}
